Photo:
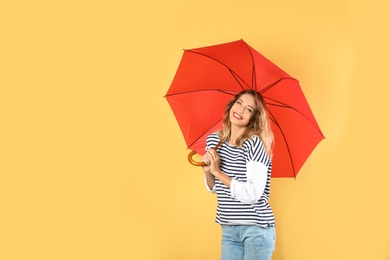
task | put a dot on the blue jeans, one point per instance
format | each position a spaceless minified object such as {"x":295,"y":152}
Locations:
{"x":247,"y":242}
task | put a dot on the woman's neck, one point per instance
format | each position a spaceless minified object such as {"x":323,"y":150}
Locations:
{"x":235,"y":133}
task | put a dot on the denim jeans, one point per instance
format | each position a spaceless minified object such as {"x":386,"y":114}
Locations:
{"x":247,"y":242}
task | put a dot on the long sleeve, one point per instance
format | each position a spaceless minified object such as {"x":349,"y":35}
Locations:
{"x":213,"y":189}
{"x":251,"y":190}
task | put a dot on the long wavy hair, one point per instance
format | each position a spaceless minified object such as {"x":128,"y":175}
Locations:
{"x":258,"y":125}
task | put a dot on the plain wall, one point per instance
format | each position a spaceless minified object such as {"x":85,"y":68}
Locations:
{"x":93,"y":164}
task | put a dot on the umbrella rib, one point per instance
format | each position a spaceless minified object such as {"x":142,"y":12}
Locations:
{"x":253,"y":66}
{"x":235,"y":76}
{"x":273,"y":119}
{"x":283,"y":105}
{"x":204,"y":133}
{"x":229,"y":92}
{"x":274,"y":83}
{"x":254,"y":82}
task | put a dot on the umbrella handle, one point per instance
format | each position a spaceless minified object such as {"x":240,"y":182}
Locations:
{"x":192,"y":153}
{"x":195,"y":163}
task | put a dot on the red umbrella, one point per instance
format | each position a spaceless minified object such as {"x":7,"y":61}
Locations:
{"x":208,"y":78}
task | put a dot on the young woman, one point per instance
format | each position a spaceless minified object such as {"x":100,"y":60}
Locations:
{"x":239,"y":172}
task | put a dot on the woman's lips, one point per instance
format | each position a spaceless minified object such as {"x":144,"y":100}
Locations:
{"x":237,"y":116}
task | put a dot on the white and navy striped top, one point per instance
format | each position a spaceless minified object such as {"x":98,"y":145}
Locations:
{"x":234,"y":162}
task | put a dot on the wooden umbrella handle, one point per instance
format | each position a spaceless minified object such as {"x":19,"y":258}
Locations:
{"x":195,"y":163}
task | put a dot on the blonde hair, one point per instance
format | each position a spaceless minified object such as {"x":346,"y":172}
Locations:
{"x":258,"y":125}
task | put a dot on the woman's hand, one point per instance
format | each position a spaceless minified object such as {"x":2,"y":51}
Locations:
{"x":206,"y":167}
{"x":212,"y":160}
{"x":212,"y":169}
{"x":210,"y":179}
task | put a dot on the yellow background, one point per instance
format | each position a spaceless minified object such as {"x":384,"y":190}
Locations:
{"x":93,"y":164}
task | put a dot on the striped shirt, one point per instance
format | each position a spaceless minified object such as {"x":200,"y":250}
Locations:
{"x":245,"y":165}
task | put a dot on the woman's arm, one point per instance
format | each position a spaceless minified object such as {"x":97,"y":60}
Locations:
{"x":247,"y":192}
{"x":212,"y":159}
{"x":210,"y":181}
{"x":251,"y":190}
{"x":209,"y":178}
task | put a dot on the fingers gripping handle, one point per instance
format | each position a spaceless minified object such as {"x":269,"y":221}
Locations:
{"x":195,"y":163}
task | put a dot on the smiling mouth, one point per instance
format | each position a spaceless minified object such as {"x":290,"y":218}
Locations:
{"x":237,"y":116}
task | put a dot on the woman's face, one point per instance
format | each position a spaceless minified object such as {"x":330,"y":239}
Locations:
{"x":241,"y":112}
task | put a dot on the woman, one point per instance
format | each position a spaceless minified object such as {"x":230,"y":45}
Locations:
{"x":239,"y":172}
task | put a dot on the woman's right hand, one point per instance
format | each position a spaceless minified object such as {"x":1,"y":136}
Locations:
{"x":206,"y":167}
{"x":210,"y":179}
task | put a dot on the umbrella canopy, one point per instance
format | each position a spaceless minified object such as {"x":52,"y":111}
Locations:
{"x":208,"y":78}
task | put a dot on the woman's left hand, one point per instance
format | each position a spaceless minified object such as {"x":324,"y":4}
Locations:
{"x":213,"y":161}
